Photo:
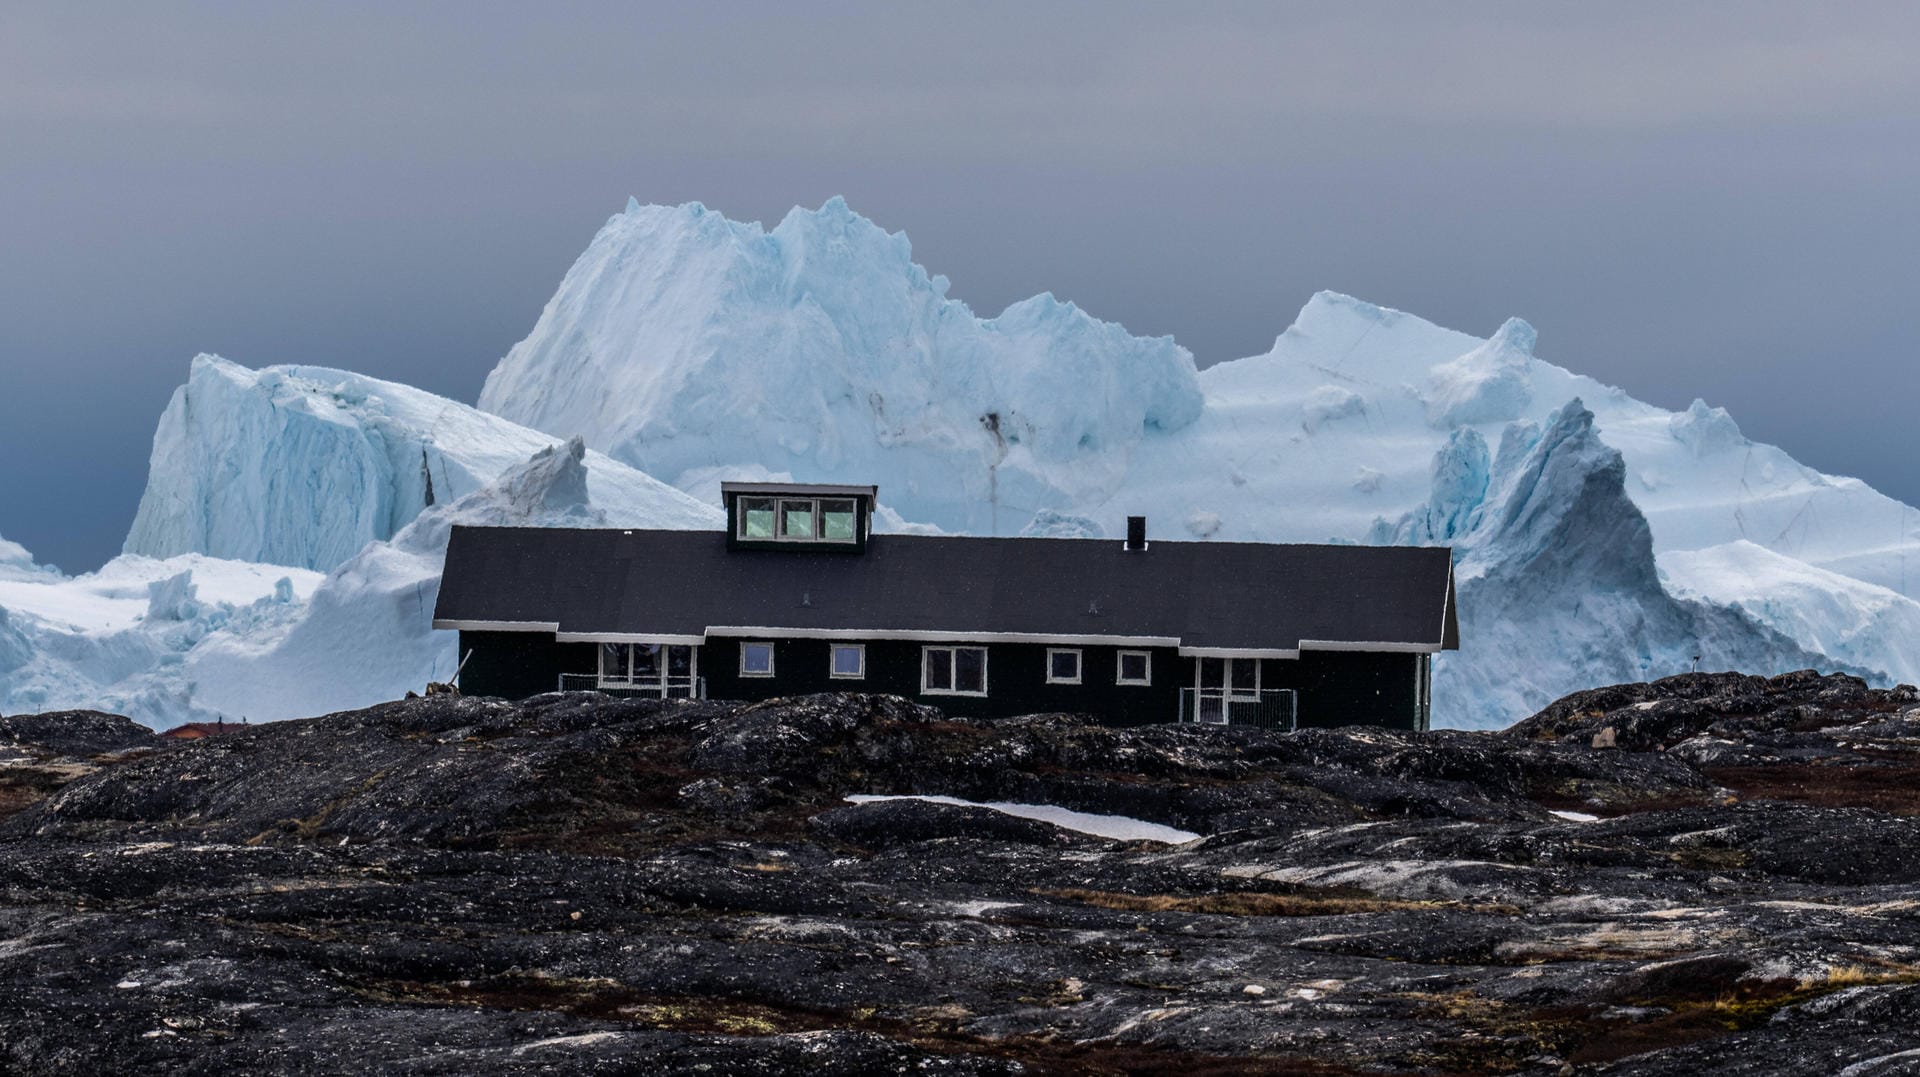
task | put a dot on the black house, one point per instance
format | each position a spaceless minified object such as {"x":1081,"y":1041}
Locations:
{"x":800,"y":596}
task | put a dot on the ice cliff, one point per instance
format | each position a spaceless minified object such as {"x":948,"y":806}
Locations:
{"x":367,"y":634}
{"x":304,"y":466}
{"x":1558,"y":582}
{"x":687,"y":345}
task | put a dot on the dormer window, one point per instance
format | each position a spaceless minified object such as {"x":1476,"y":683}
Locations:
{"x":769,"y":514}
{"x":839,"y":520}
{"x":756,"y":517}
{"x":798,"y":519}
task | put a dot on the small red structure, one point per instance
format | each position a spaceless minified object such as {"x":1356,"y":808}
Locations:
{"x":202,"y":730}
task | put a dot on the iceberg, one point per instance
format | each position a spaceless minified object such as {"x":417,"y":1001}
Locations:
{"x":367,"y":635}
{"x":1849,"y":620}
{"x":681,"y":341}
{"x":118,"y":639}
{"x":1558,"y":584}
{"x":304,"y":466}
{"x":195,"y":638}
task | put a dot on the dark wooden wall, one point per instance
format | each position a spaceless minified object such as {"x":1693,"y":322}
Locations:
{"x":1335,"y":687}
{"x":1350,"y":687}
{"x":515,"y":665}
{"x":1016,"y":679}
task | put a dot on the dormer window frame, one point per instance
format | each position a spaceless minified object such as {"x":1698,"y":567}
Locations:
{"x":800,"y":516}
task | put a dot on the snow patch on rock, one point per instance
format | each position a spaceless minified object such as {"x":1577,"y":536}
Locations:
{"x":1117,"y":827}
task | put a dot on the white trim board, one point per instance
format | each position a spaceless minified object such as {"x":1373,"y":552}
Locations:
{"x":935,"y":636}
{"x":629,"y":637}
{"x":1237,"y":652}
{"x":1390,"y":648}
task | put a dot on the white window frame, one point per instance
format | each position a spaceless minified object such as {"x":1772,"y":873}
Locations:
{"x":953,"y":662}
{"x":814,"y":510}
{"x":1079,"y":665}
{"x":860,"y":649}
{"x":663,"y":681}
{"x":744,"y":644}
{"x":740,"y":512}
{"x":820,"y":523}
{"x":624,"y":676}
{"x":1120,"y":669}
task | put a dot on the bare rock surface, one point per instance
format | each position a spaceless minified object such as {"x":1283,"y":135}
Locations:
{"x":577,"y":884}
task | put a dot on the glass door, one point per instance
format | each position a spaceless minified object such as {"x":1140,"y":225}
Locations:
{"x":669,"y":670}
{"x":1220,"y":683}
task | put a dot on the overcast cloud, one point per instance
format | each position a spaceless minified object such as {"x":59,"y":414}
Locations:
{"x":1715,"y":201}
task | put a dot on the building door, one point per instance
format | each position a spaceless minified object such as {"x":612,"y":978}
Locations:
{"x":655,"y":669}
{"x":1219,"y":683}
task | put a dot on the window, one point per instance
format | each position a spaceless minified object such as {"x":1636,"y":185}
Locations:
{"x":954,"y":671}
{"x":756,"y":659}
{"x":798,"y":519}
{"x":1063,"y":665}
{"x":614,"y":658}
{"x":838,"y":520}
{"x":756,"y":517}
{"x":848,"y":661}
{"x":663,"y":669}
{"x":1136,"y":667}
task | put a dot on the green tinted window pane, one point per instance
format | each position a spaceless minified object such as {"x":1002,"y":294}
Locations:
{"x":837,"y":521}
{"x":796,"y":519}
{"x":756,"y":517}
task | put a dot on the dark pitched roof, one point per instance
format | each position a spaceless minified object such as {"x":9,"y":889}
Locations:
{"x":1206,"y":595}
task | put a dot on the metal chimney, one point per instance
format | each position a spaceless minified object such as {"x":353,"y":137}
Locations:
{"x":1136,"y":532}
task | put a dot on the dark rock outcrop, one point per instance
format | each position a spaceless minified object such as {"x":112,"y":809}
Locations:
{"x":584,"y":885}
{"x":72,"y":734}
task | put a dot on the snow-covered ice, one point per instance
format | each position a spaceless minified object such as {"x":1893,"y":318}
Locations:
{"x":1836,"y":615}
{"x":367,"y":635}
{"x":119,"y":639}
{"x":1117,"y":827}
{"x":304,"y":466}
{"x":681,"y":340}
{"x":191,"y":638}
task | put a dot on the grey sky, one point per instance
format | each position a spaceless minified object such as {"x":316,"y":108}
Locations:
{"x":1715,"y":201}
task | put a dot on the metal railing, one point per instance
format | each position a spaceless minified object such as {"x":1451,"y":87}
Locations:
{"x":663,"y":688}
{"x":1272,"y":708}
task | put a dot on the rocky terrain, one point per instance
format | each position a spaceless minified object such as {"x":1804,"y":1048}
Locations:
{"x":1709,"y":874}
